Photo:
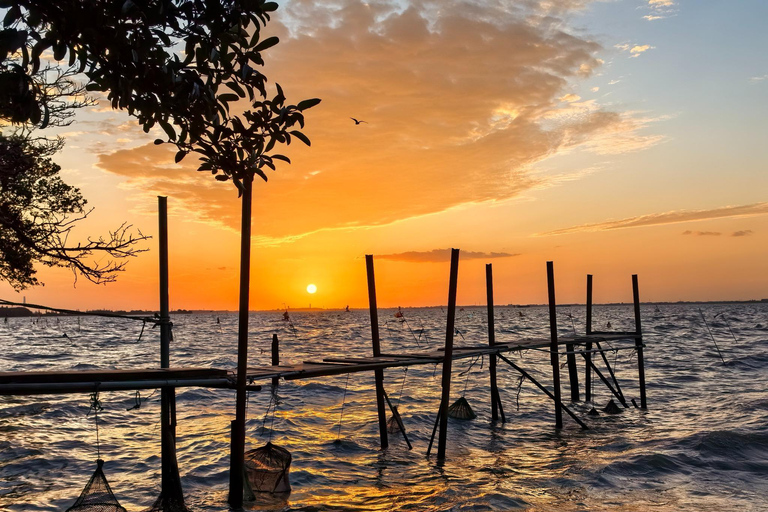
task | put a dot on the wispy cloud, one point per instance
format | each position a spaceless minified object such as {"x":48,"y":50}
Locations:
{"x":672,"y":217}
{"x":635,"y":50}
{"x":702,"y":233}
{"x":442,"y":255}
{"x":660,"y":9}
{"x":744,"y":232}
{"x":756,"y":79}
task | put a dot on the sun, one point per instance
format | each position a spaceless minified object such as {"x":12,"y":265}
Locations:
{"x":311,"y":288}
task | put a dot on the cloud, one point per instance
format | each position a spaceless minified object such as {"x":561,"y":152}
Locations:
{"x":638,"y":49}
{"x":673,"y":217}
{"x":702,"y":233}
{"x":635,"y":50}
{"x":461,"y":101}
{"x":745,"y":232}
{"x":756,"y":79}
{"x":442,"y":255}
{"x":661,"y":9}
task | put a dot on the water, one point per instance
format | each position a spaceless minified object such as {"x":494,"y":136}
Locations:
{"x":702,"y":445}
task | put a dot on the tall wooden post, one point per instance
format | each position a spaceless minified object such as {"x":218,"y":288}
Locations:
{"x":171,"y":494}
{"x":237,"y":451}
{"x":588,"y":346}
{"x":553,"y":347}
{"x":275,"y":358}
{"x":639,"y":342}
{"x":448,"y":355}
{"x":378,"y":374}
{"x":495,"y":398}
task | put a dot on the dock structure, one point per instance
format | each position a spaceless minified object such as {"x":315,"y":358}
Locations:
{"x":570,"y":348}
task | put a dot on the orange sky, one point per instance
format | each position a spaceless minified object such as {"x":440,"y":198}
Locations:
{"x":589,"y":133}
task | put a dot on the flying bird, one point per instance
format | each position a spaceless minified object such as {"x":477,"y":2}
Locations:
{"x":358,"y":122}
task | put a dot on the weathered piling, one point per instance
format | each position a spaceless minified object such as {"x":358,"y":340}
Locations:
{"x":553,"y":347}
{"x":448,"y":354}
{"x":378,"y":374}
{"x":237,"y":449}
{"x":588,"y":345}
{"x":171,"y":494}
{"x":639,"y":342}
{"x":275,"y":358}
{"x":496,"y":406}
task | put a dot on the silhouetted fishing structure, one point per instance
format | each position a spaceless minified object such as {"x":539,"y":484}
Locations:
{"x":572,"y":349}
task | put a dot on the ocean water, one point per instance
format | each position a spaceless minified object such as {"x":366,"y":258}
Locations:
{"x":702,"y":444}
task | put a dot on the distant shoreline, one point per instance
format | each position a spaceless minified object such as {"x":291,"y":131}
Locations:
{"x":23,"y":312}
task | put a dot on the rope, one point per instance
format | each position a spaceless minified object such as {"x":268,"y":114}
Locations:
{"x":519,"y":389}
{"x":341,"y":415}
{"x":95,"y":406}
{"x":412,"y":333}
{"x":728,"y":324}
{"x":405,"y":374}
{"x":711,"y":336}
{"x":138,"y":401}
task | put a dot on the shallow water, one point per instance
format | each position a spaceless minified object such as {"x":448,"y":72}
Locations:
{"x":702,"y":444}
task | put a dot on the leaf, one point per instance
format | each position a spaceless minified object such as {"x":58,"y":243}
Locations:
{"x":303,"y":138}
{"x":304,"y":105}
{"x":168,"y":129}
{"x":180,"y":156}
{"x":228,"y":96}
{"x":269,"y":6}
{"x":159,"y":141}
{"x":261,"y":173}
{"x":281,"y":157}
{"x":267,"y":43}
{"x":236,"y":87}
{"x":221,"y":177}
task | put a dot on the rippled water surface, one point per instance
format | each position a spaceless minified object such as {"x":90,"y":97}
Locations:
{"x":702,"y":444}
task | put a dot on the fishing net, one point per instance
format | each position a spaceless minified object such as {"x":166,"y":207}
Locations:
{"x":97,"y":496}
{"x":171,"y":498}
{"x":461,"y":410}
{"x":266,"y":469}
{"x":394,"y":422}
{"x":612,"y":408}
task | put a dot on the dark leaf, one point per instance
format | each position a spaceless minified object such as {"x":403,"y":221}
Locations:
{"x":303,"y":138}
{"x":266,"y":43}
{"x":304,"y":105}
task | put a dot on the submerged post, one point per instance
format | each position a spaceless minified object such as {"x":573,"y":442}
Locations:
{"x":448,"y":354}
{"x":495,"y":398}
{"x":588,"y":346}
{"x":639,"y":342}
{"x":237,"y":445}
{"x":553,"y":348}
{"x":275,"y":358}
{"x":378,"y":374}
{"x":171,"y":495}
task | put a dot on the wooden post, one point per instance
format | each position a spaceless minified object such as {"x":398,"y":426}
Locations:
{"x":378,"y":374}
{"x":171,"y":494}
{"x":237,"y":446}
{"x":639,"y":342}
{"x":275,"y":358}
{"x":553,"y":348}
{"x":588,"y":346}
{"x":448,"y":355}
{"x":495,"y":398}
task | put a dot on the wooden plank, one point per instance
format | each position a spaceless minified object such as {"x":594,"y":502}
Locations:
{"x":63,"y":376}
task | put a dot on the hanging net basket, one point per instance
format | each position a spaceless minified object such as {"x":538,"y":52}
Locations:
{"x":266,"y":469}
{"x":97,"y":496}
{"x":461,"y":410}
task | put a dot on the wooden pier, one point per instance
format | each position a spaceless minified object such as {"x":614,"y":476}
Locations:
{"x":572,"y":350}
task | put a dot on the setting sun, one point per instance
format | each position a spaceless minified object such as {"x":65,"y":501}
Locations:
{"x":311,"y":288}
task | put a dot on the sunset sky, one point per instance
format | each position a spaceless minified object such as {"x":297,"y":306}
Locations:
{"x":612,"y":137}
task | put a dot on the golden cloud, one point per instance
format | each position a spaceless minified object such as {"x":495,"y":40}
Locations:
{"x":459,"y":100}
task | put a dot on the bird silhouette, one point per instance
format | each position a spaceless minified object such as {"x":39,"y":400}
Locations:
{"x":358,"y":122}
